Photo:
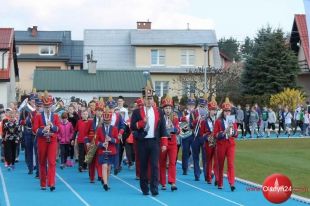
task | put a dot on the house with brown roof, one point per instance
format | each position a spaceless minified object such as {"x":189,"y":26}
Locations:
{"x":299,"y":42}
{"x":8,"y":66}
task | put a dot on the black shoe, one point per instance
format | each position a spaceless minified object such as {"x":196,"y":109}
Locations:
{"x":105,"y":187}
{"x":154,"y":194}
{"x":232,"y":188}
{"x":116,"y":171}
{"x":43,"y":188}
{"x":220,"y":188}
{"x":52,"y":188}
{"x":80,"y":169}
{"x":163,"y":188}
{"x":215,"y":183}
{"x":196,"y":178}
{"x":30,"y":172}
{"x":146,"y":193}
{"x":209,"y":182}
{"x":173,"y":187}
{"x":184,"y":172}
{"x":99,"y":179}
{"x":37,"y":176}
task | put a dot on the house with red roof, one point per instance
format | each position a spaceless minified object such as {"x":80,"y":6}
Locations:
{"x":8,"y":66}
{"x":299,"y":41}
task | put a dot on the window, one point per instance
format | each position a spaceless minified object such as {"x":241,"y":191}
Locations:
{"x":17,"y":50}
{"x":161,"y":88}
{"x":188,"y":57}
{"x":188,"y":87}
{"x":158,"y":57}
{"x":46,"y":50}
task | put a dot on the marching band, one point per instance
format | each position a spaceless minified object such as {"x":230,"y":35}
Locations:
{"x":150,"y":136}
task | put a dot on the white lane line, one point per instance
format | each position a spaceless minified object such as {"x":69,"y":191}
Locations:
{"x":210,"y":193}
{"x":72,"y":190}
{"x":6,"y":195}
{"x":133,"y":187}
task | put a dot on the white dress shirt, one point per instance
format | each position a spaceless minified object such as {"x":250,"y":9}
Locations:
{"x":151,"y":121}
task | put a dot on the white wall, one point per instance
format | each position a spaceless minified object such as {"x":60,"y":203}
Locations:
{"x":89,"y":96}
{"x":4,"y":93}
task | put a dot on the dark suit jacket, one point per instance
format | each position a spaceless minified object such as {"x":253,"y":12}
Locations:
{"x":137,"y":125}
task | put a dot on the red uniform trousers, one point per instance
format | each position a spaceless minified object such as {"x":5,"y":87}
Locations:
{"x":92,"y":168}
{"x":170,"y":152}
{"x":47,"y":156}
{"x":211,"y":158}
{"x":226,"y":148}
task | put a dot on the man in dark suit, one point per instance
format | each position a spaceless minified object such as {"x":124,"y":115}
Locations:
{"x":149,"y":129}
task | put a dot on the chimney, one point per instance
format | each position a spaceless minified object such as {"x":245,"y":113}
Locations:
{"x":92,"y":64}
{"x":34,"y":31}
{"x":144,"y":24}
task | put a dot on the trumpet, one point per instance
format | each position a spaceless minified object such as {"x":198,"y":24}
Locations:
{"x":58,"y":106}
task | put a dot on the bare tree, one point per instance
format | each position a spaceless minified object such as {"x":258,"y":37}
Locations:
{"x":221,"y":82}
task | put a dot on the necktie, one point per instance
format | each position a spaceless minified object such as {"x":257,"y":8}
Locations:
{"x":107,"y":130}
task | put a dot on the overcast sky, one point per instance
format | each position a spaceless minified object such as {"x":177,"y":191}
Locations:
{"x":238,"y":18}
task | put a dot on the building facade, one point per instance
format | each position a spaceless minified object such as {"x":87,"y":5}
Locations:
{"x":52,"y":50}
{"x":167,"y":55}
{"x":299,"y":42}
{"x":8,"y":66}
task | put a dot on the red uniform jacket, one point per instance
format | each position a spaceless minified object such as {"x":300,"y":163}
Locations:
{"x":205,"y":127}
{"x":82,"y":128}
{"x":219,"y":131}
{"x":172,"y":136}
{"x":39,"y":124}
{"x":91,"y":131}
{"x":101,"y":134}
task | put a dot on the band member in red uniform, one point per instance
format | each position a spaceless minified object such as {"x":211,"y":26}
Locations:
{"x":46,"y":126}
{"x":198,"y":142}
{"x":107,"y":140}
{"x":89,"y":138}
{"x":225,"y":132}
{"x":118,"y":122}
{"x":139,"y":104}
{"x":82,"y":129}
{"x":173,"y":129}
{"x":207,"y":130}
{"x":149,"y":127}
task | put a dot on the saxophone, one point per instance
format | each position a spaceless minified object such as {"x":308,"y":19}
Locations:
{"x":211,"y":138}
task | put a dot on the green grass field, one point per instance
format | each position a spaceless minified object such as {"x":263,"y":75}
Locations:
{"x":257,"y":159}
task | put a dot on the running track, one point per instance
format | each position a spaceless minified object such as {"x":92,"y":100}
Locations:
{"x":73,"y":188}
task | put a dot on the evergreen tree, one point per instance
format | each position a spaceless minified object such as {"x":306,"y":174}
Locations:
{"x":271,"y":66}
{"x":230,"y":47}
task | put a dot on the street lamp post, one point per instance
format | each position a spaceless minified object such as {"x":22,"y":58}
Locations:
{"x":206,"y":62}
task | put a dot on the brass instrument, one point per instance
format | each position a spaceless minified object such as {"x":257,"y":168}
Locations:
{"x":25,"y":106}
{"x":92,"y":147}
{"x":185,"y":130}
